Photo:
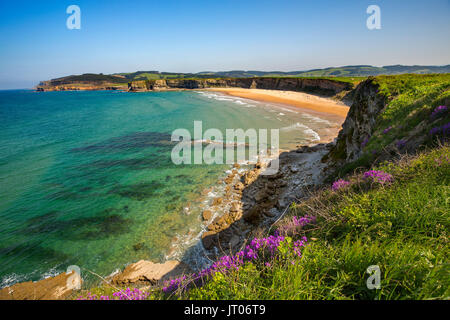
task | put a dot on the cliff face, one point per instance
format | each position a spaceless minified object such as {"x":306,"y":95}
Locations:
{"x":322,"y":86}
{"x":360,"y":121}
{"x":319,"y":86}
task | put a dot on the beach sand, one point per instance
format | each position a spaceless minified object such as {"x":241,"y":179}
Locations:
{"x":324,"y":108}
{"x":292,"y":98}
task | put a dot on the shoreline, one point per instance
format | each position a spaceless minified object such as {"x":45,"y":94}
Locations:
{"x":227,"y":207}
{"x":230,"y":208}
{"x":295,"y":99}
{"x":309,"y":104}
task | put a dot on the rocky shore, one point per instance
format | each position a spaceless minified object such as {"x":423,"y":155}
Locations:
{"x":253,"y":201}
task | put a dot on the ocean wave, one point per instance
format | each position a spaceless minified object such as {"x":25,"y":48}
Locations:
{"x":221,"y":97}
{"x":307,"y":130}
{"x":316,"y":119}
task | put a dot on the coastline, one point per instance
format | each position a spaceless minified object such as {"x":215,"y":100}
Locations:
{"x":224,"y":206}
{"x":228,"y":226}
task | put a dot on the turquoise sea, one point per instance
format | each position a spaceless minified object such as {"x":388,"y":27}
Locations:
{"x":86,"y":178}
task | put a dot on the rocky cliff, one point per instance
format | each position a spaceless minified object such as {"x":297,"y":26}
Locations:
{"x":320,"y":86}
{"x":312,"y":85}
{"x":358,"y":126}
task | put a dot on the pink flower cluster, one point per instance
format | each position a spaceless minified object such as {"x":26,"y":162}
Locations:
{"x":378,"y":176}
{"x":339,"y":184}
{"x":292,"y":226}
{"x":267,"y":248}
{"x":259,"y":250}
{"x":443,"y":130}
{"x":438,"y":112}
{"x":127,"y":294}
{"x":364,"y":143}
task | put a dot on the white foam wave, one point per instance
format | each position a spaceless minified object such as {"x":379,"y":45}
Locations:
{"x":221,"y":97}
{"x":316,"y":119}
{"x":298,"y":126}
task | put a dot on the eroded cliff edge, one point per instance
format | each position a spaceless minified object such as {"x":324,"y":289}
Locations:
{"x":320,"y":86}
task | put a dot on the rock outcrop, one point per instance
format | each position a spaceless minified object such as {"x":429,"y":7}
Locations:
{"x":53,"y":288}
{"x":253,"y":200}
{"x":360,"y":122}
{"x":149,"y":273}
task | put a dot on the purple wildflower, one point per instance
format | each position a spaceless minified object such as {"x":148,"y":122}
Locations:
{"x":400,"y":144}
{"x":126,"y":294}
{"x":364,"y":143}
{"x":258,"y":248}
{"x":292,"y":226}
{"x":378,"y":176}
{"x":387,"y":129}
{"x":446,"y":129}
{"x":443,"y":130}
{"x":434,"y":131}
{"x":438,"y":112}
{"x":339,"y":184}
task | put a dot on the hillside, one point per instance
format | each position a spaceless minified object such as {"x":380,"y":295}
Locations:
{"x":384,"y":203}
{"x":118,"y":81}
{"x":345,"y":71}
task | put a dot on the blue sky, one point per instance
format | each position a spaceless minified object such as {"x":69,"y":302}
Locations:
{"x":193,"y":36}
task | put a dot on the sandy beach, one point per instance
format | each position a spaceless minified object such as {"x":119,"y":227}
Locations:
{"x":324,"y":108}
{"x":292,"y":98}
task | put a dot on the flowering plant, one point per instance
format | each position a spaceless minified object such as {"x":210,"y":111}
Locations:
{"x":339,"y":184}
{"x":387,"y":130}
{"x":294,"y":224}
{"x":127,"y":294}
{"x":443,"y":130}
{"x":378,"y":176}
{"x":439,"y":111}
{"x":400,"y":144}
{"x":260,"y":249}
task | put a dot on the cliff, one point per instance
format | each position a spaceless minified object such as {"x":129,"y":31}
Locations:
{"x":358,"y":126}
{"x":391,"y":115}
{"x":319,"y":86}
{"x":325,"y":87}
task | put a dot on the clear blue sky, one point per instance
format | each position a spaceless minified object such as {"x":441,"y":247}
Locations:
{"x":193,"y":36}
